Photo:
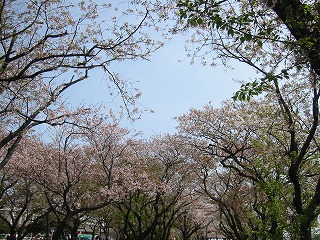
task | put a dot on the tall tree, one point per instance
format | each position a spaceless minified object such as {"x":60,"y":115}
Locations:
{"x":22,"y":202}
{"x":279,"y":39}
{"x":252,"y":140}
{"x":49,"y":46}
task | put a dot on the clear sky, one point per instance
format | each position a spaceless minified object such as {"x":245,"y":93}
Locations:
{"x":169,"y":87}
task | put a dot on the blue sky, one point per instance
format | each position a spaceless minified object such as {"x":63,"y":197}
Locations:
{"x":169,"y":87}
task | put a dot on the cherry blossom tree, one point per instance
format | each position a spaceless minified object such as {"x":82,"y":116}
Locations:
{"x":146,"y":208}
{"x":49,"y":46}
{"x":97,"y":167}
{"x":65,"y":178}
{"x":255,"y":140}
{"x":80,"y":184}
{"x":23,"y":206}
{"x":241,"y":208}
{"x":280,"y":40}
{"x":163,"y":193}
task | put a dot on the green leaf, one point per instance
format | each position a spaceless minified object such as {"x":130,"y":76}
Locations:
{"x":247,"y":37}
{"x":230,"y":32}
{"x":199,"y":21}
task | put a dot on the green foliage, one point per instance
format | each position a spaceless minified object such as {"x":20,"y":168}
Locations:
{"x":209,"y":13}
{"x":273,"y":209}
{"x":248,"y":90}
{"x":251,"y":89}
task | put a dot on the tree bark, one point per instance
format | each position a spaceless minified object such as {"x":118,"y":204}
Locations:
{"x":303,"y":26}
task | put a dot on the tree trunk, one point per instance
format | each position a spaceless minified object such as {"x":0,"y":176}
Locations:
{"x":305,"y":231}
{"x":59,"y":231}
